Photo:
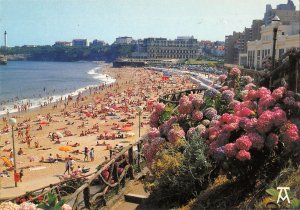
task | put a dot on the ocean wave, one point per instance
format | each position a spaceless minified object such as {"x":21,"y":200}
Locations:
{"x":37,"y":102}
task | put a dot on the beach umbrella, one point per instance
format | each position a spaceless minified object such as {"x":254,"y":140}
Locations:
{"x":44,"y":123}
{"x":126,"y":129}
{"x":65,"y":148}
{"x":59,"y":134}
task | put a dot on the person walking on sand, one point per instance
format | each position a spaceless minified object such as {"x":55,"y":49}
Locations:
{"x":21,"y":174}
{"x":68,"y":166}
{"x":86,"y":152}
{"x":92,"y":154}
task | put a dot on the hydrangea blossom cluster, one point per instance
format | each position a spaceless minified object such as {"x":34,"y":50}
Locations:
{"x":228,"y":95}
{"x":185,"y":105}
{"x":209,"y":113}
{"x":235,"y":72}
{"x":222,"y":78}
{"x":211,"y":93}
{"x":175,"y":134}
{"x":197,"y":115}
{"x":151,"y":148}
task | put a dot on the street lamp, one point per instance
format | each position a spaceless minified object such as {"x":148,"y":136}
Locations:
{"x":139,"y":109}
{"x":275,"y":24}
{"x":13,"y":122}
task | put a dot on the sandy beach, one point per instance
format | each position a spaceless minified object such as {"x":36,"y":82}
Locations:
{"x":103,"y":112}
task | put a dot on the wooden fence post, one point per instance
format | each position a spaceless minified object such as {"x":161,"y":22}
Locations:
{"x":139,"y":156}
{"x":58,"y":193}
{"x":130,"y":159}
{"x":86,"y":197}
{"x":115,"y":175}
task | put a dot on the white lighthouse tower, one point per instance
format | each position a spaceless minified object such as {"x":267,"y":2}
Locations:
{"x":5,"y":39}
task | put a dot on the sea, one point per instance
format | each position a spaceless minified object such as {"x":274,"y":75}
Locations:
{"x":36,"y":82}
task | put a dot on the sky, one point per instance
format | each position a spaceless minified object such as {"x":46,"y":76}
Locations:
{"x":42,"y":22}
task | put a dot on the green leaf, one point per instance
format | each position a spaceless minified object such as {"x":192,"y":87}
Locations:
{"x":273,"y":192}
{"x":295,"y":204}
{"x":52,"y":200}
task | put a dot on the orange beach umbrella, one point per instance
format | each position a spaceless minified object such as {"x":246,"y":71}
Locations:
{"x":65,"y":148}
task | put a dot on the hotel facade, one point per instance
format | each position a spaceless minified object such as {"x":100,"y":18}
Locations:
{"x":288,"y":36}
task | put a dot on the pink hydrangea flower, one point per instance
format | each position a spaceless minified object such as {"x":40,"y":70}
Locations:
{"x":235,"y":72}
{"x":252,"y":95}
{"x":159,"y":108}
{"x":256,"y":140}
{"x":243,"y":155}
{"x":262,"y":91}
{"x":272,"y":140}
{"x":222,"y":78}
{"x":225,"y":118}
{"x":244,"y":112}
{"x":243,"y":143}
{"x":266,"y":101}
{"x":191,"y":132}
{"x":289,"y":132}
{"x":192,"y":96}
{"x":201,"y":129}
{"x":278,"y":93}
{"x":153,"y":133}
{"x":175,"y":134}
{"x":247,"y":79}
{"x":249,"y":86}
{"x":265,"y":122}
{"x":185,"y":105}
{"x":197,"y":115}
{"x":230,"y":150}
{"x":250,"y":124}
{"x":154,"y":118}
{"x":279,"y":117}
{"x":197,"y":102}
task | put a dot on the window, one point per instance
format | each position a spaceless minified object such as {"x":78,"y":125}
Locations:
{"x":281,"y":51}
{"x":282,"y":33}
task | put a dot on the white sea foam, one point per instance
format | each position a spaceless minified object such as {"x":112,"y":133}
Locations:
{"x":36,"y":102}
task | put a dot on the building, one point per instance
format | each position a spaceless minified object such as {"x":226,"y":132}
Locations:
{"x":288,"y":36}
{"x":232,"y":47}
{"x":123,"y":40}
{"x":79,"y":43}
{"x":289,"y":6}
{"x":286,"y":12}
{"x":184,"y":47}
{"x":97,"y":43}
{"x":63,"y":44}
{"x":255,"y":29}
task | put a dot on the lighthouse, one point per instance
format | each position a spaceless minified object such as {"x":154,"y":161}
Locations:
{"x":5,"y":39}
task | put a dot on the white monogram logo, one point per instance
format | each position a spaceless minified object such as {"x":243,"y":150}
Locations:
{"x":280,"y":197}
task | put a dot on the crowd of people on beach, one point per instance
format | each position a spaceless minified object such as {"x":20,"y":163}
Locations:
{"x":108,"y":117}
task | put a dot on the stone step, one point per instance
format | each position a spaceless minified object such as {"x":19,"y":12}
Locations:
{"x":135,"y":198}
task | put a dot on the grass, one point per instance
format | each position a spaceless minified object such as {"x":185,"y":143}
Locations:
{"x":226,"y":194}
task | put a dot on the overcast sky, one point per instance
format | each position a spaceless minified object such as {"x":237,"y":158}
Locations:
{"x":42,"y":22}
